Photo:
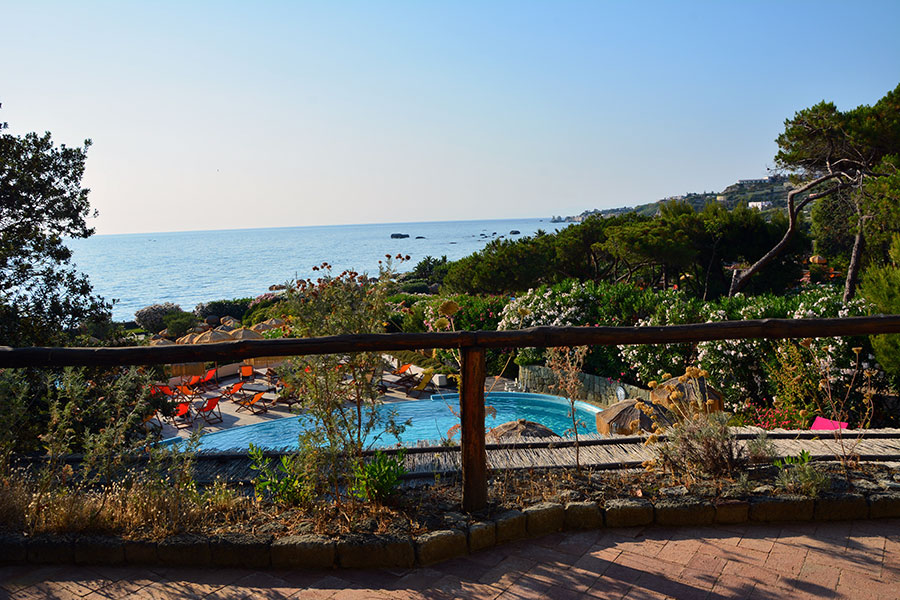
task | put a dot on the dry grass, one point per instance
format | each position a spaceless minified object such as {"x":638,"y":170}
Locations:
{"x":146,"y":509}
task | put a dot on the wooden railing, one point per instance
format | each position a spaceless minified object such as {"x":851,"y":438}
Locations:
{"x":472,"y":345}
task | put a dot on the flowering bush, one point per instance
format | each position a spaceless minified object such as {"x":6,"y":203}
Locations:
{"x":579,"y":303}
{"x":650,"y":361}
{"x":773,"y":417}
{"x":740,"y":365}
{"x":151,"y":317}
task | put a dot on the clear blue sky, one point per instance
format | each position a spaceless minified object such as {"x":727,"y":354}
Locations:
{"x":216,"y":115}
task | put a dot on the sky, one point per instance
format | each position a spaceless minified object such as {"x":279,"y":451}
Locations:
{"x":225,"y":115}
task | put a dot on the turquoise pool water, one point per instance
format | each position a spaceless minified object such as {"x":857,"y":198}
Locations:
{"x":431,"y":419}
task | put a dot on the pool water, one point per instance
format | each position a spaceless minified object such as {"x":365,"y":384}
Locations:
{"x":431,"y":419}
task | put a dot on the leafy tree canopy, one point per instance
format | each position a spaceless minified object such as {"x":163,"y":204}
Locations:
{"x":835,"y":154}
{"x":42,"y":203}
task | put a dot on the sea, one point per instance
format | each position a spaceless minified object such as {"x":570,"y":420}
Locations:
{"x":188,"y":267}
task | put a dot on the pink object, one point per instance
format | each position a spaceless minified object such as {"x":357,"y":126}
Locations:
{"x":827,"y":424}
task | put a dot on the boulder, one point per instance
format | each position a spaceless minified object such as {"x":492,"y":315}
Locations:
{"x":399,"y":236}
{"x":512,"y":431}
{"x":514,"y":232}
{"x":692,"y":389}
{"x":420,"y":237}
{"x":620,"y":418}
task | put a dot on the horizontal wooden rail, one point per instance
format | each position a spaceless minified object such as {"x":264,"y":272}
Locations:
{"x":521,"y":338}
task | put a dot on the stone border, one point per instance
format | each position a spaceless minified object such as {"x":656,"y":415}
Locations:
{"x":370,"y":551}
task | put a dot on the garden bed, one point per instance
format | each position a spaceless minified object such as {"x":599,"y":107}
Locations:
{"x":423,"y":525}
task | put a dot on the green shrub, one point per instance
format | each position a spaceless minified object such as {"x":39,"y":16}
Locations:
{"x":431,"y":270}
{"x":151,"y":317}
{"x":797,"y":475}
{"x":178,"y":323}
{"x":263,"y":310}
{"x":701,"y":445}
{"x":221,"y":308}
{"x":285,"y":484}
{"x":881,"y":286}
{"x":414,"y":286}
{"x":376,"y":480}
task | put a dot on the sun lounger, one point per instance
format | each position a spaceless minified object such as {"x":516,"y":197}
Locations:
{"x":247,"y":373}
{"x":401,"y":369}
{"x":423,"y":382}
{"x":183,"y":417}
{"x":210,"y":411}
{"x":255,"y":405}
{"x":208,"y":382}
{"x":235,"y":393}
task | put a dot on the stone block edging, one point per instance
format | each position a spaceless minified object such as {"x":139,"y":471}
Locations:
{"x":369,"y":551}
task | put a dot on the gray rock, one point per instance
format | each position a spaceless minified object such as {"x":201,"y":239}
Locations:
{"x":683,"y":511}
{"x":482,"y":535}
{"x":455,"y":520}
{"x":732,"y":511}
{"x":583,"y":515}
{"x":13,"y":548}
{"x":184,"y":550}
{"x":399,"y":236}
{"x":884,"y":505}
{"x":372,"y":552}
{"x":516,"y":430}
{"x":511,"y":525}
{"x":868,"y":486}
{"x":436,"y":546}
{"x":839,"y":507}
{"x":544,"y":518}
{"x":673,"y":492}
{"x":141,"y":552}
{"x":99,"y":550}
{"x":240,"y":550}
{"x":628,"y":512}
{"x":51,"y":549}
{"x":781,"y":508}
{"x":763,"y":489}
{"x":303,"y":551}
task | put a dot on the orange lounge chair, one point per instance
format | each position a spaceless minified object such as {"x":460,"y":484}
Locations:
{"x":175,"y":395}
{"x":235,"y":393}
{"x":210,"y":411}
{"x":182,"y":418}
{"x":401,"y":369}
{"x":246,"y":372}
{"x":255,"y":405}
{"x":209,"y":381}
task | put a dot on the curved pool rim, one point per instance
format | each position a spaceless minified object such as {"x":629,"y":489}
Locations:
{"x":449,"y":398}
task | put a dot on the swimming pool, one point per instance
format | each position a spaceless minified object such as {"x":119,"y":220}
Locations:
{"x":431,"y":419}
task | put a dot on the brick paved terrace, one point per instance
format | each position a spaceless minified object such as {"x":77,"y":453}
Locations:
{"x":849,"y":559}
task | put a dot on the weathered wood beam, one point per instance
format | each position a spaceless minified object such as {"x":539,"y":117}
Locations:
{"x":471,"y":416}
{"x":536,"y":336}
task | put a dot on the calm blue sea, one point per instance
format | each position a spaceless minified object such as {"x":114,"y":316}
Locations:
{"x":197,"y":266}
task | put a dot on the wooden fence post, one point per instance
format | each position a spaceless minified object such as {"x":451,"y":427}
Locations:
{"x":471,"y":414}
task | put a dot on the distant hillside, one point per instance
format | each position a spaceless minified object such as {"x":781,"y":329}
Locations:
{"x":772,"y":190}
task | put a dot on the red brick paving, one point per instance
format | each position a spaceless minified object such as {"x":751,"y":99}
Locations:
{"x":857,"y":559}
